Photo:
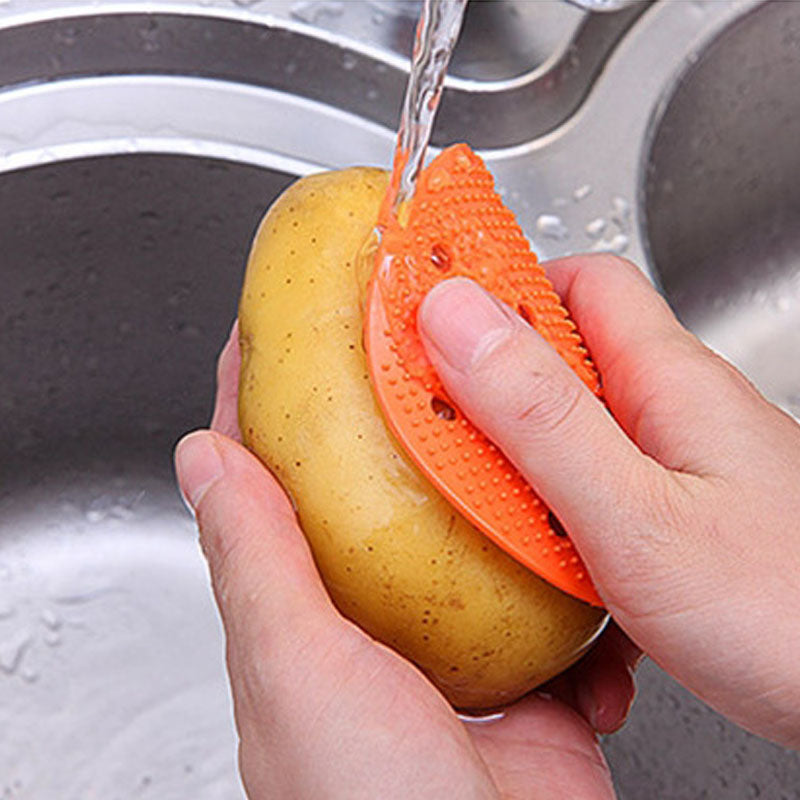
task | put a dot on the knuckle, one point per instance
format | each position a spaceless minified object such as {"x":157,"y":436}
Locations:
{"x":530,"y":390}
{"x":602,"y":265}
{"x":662,"y":552}
{"x":550,"y":401}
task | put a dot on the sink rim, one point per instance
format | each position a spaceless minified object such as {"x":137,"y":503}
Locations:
{"x":620,"y":116}
{"x":525,"y":102}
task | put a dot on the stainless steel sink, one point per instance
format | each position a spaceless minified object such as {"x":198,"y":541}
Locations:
{"x":722,"y":199}
{"x":139,"y":145}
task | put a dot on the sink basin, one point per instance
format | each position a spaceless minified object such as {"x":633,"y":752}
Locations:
{"x":121,"y":278}
{"x":139,"y":146}
{"x":722,"y":199}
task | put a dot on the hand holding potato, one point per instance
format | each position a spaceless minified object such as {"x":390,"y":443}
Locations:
{"x":685,"y":504}
{"x":685,"y":510}
{"x":395,"y":556}
{"x":325,"y":711}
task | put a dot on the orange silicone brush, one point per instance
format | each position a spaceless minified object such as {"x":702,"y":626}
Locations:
{"x":456,"y":224}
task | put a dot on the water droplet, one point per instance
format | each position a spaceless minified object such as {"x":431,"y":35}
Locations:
{"x":52,"y":638}
{"x":81,"y":597}
{"x":67,"y":35}
{"x":551,"y":226}
{"x":95,"y":515}
{"x":349,"y":61}
{"x":616,"y":244}
{"x":619,"y":244}
{"x":13,"y":650}
{"x":120,"y":510}
{"x":373,"y":94}
{"x":582,"y":192}
{"x":305,"y":11}
{"x":312,"y":11}
{"x":50,"y":619}
{"x":290,"y":68}
{"x":621,"y":206}
{"x":29,"y":674}
{"x":596,"y":228}
{"x":149,"y":36}
{"x":621,"y":212}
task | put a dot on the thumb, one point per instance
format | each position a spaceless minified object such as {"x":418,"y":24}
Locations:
{"x":516,"y":388}
{"x":266,"y":583}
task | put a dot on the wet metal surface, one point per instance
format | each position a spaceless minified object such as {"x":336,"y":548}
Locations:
{"x":138,"y":151}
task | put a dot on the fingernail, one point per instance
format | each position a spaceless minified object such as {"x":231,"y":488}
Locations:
{"x":588,"y":706}
{"x":463,"y":322}
{"x":198,"y":465}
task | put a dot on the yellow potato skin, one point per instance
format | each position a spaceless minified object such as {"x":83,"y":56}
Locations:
{"x":395,"y":556}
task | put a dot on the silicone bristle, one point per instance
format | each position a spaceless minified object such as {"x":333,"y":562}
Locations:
{"x":457,"y":225}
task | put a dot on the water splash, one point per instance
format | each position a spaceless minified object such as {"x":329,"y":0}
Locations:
{"x":437,"y":32}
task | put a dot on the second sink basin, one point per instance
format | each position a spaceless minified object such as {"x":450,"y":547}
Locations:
{"x":139,"y":145}
{"x":722,"y":199}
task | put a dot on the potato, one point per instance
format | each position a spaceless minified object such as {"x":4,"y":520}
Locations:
{"x":396,"y":557}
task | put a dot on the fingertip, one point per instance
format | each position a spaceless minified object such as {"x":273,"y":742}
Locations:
{"x":461,"y":322}
{"x":249,"y":533}
{"x":198,"y":465}
{"x":248,"y":482}
{"x":605,"y":681}
{"x":606,"y":701}
{"x":563,"y":271}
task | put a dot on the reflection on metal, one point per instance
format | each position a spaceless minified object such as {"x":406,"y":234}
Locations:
{"x":138,"y":148}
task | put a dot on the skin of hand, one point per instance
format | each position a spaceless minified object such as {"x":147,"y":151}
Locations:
{"x":685,"y":504}
{"x":323,"y":710}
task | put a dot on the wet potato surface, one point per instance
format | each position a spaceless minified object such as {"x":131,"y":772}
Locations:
{"x":394,"y":554}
